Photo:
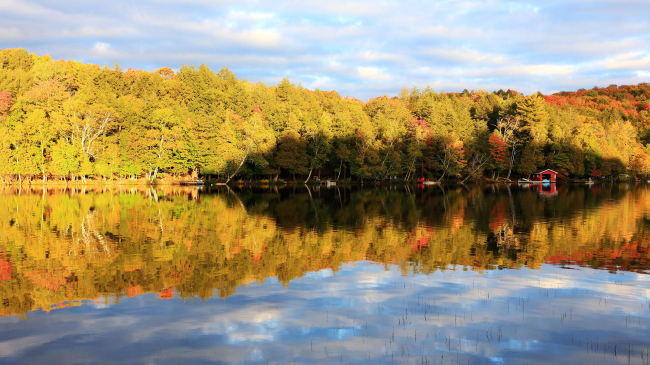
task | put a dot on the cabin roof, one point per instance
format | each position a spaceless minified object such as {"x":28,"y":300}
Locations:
{"x":541,"y":171}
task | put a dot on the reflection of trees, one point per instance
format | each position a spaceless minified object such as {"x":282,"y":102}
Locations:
{"x":87,"y":241}
{"x":62,"y":246}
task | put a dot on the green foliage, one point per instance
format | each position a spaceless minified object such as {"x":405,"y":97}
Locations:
{"x":65,"y":119}
{"x":292,"y":153}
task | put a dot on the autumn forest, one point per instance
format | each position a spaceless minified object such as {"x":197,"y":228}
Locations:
{"x":66,"y":120}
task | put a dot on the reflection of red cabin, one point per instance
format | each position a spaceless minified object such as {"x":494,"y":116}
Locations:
{"x":548,"y":175}
{"x":546,"y":190}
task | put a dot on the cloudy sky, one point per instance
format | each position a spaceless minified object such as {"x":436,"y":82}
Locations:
{"x":359,"y":48}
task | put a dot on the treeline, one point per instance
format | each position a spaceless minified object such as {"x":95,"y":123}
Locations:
{"x":74,"y":121}
{"x":67,"y":245}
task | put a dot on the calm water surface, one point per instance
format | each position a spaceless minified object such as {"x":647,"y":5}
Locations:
{"x":453,"y":275}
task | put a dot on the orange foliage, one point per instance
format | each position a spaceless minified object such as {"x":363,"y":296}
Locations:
{"x":166,"y":72}
{"x":421,"y":242}
{"x":629,"y":100}
{"x":135,"y":290}
{"x":5,"y":269}
{"x":5,"y":100}
{"x":167,"y":293}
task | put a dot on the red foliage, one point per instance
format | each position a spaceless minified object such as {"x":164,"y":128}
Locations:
{"x":497,"y":217}
{"x":420,"y":124}
{"x":497,"y":149}
{"x":5,"y":100}
{"x":595,"y":173}
{"x":629,"y":257}
{"x":257,"y":256}
{"x":418,"y":244}
{"x":5,"y":269}
{"x":629,"y":100}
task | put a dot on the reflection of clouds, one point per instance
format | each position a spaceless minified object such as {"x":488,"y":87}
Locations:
{"x":17,"y":346}
{"x":325,"y":273}
{"x":364,"y":313}
{"x":241,"y":325}
{"x":99,"y":303}
{"x":514,"y":344}
{"x":241,"y":336}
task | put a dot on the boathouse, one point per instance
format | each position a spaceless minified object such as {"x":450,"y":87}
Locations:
{"x":547,"y":175}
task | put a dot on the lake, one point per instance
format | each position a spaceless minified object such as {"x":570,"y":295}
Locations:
{"x":393,"y":274}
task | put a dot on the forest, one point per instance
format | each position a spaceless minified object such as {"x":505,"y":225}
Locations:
{"x":75,"y":122}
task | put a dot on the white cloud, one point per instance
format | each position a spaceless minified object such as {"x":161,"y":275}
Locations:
{"x":372,"y":74}
{"x":629,"y":61}
{"x":465,"y":55}
{"x":322,"y":82}
{"x":101,"y":48}
{"x":13,"y":7}
{"x":440,"y":30}
{"x":548,"y":69}
{"x":360,"y":48}
{"x":250,"y":16}
{"x":10,"y":33}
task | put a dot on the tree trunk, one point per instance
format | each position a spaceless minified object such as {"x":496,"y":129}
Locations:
{"x":236,"y":171}
{"x":512,"y":159}
{"x":340,"y":168}
{"x":154,"y":174}
{"x":309,"y":176}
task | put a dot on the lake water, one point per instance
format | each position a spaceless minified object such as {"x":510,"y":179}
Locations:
{"x":409,"y":275}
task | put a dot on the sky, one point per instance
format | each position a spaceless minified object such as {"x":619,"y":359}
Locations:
{"x":361,"y":49}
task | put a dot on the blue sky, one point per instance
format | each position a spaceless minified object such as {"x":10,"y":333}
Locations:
{"x":359,"y":48}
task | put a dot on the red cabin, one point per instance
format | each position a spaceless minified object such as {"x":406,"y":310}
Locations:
{"x":547,"y":175}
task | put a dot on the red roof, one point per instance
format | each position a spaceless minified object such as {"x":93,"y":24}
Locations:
{"x":541,"y":171}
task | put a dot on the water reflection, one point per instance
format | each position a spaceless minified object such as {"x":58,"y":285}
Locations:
{"x":315,"y":274}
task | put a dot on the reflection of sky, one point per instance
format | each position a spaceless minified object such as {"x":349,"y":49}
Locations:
{"x":363,"y":313}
